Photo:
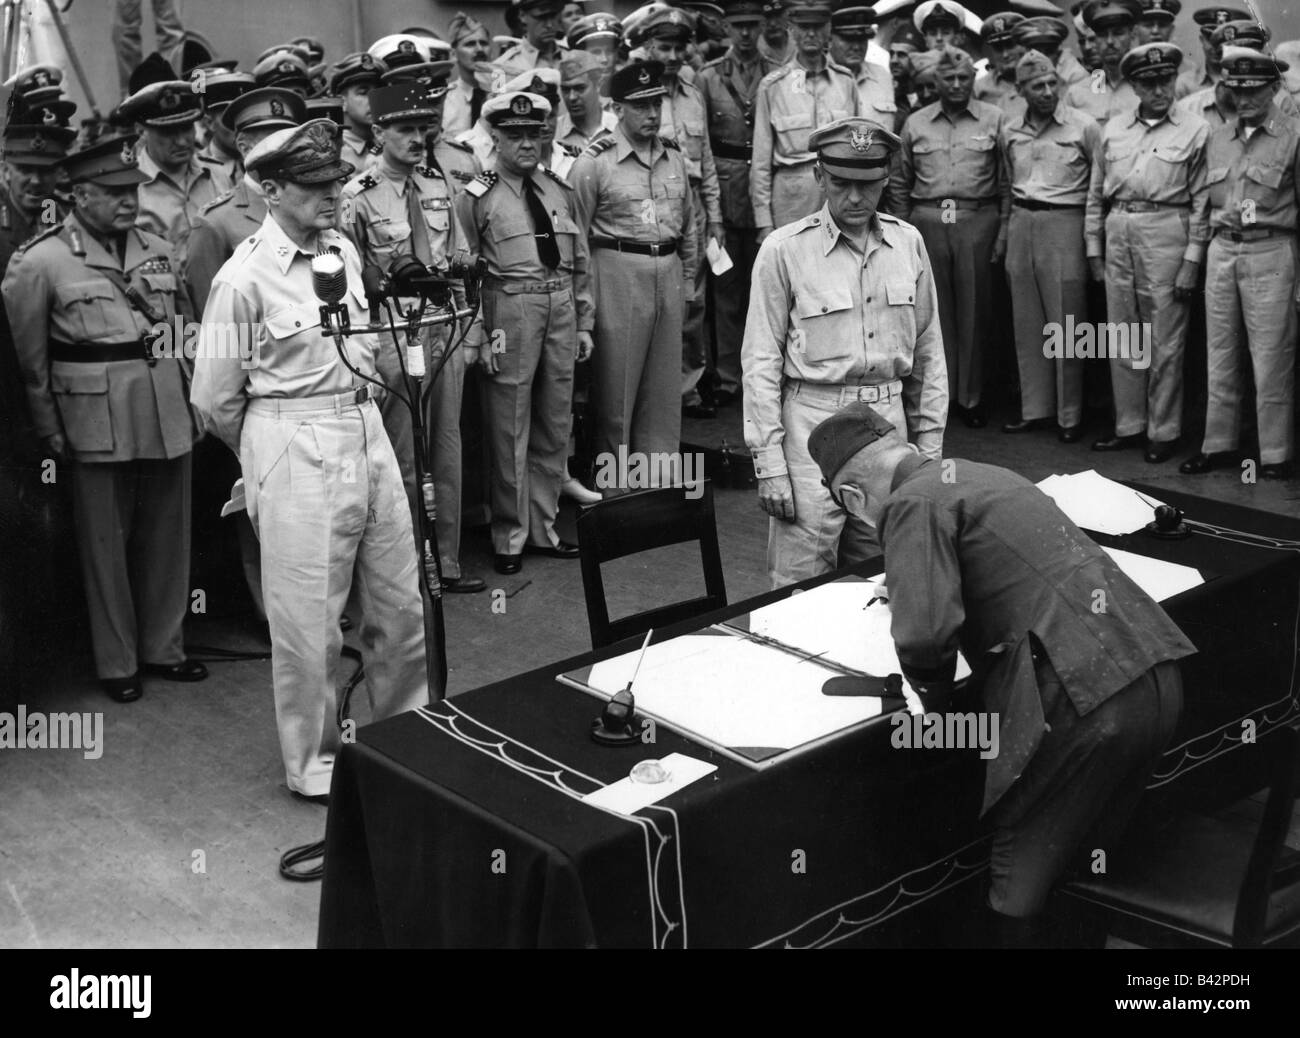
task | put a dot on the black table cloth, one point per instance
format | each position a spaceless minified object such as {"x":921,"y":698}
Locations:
{"x":461,"y":825}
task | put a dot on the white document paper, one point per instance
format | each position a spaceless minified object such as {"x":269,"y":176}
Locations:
{"x":236,"y":502}
{"x":734,"y":692}
{"x":719,"y":261}
{"x":1101,"y":505}
{"x":1157,"y":578}
{"x":836,"y":621}
{"x":627,"y":797}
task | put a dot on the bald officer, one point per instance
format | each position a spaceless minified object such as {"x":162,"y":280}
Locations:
{"x":1048,"y":154}
{"x":177,"y":185}
{"x":792,"y":103}
{"x":632,"y":190}
{"x":230,"y":218}
{"x":1146,"y":216}
{"x":950,"y":183}
{"x":1102,"y":96}
{"x":81,"y":297}
{"x":403,"y":207}
{"x":843,"y":308}
{"x":1253,"y":184}
{"x":322,"y":482}
{"x":537,"y":304}
{"x":979,"y":559}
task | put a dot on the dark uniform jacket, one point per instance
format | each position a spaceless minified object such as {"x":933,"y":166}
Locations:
{"x":223,"y":223}
{"x":729,"y":102}
{"x":978,"y":558}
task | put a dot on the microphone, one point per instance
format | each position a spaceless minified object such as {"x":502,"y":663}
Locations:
{"x":329,"y":280}
{"x":372,"y":283}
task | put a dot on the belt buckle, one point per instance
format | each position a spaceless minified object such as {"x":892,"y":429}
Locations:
{"x":654,"y":248}
{"x":362,"y":395}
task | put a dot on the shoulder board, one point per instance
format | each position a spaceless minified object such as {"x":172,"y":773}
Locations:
{"x":39,"y":236}
{"x":888,"y":218}
{"x":461,"y":145}
{"x":776,"y":74}
{"x":366,"y":182}
{"x":557,"y":178}
{"x":429,"y":171}
{"x":600,"y":144}
{"x":670,"y":144}
{"x":374,"y":149}
{"x":225,"y":196}
{"x":482,"y":184}
{"x":570,"y":149}
{"x":840,"y":68}
{"x":211,"y":160}
{"x":716,"y":62}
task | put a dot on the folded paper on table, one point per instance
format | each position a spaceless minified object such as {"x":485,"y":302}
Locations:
{"x":1101,"y":505}
{"x":1159,"y":579}
{"x":627,"y":797}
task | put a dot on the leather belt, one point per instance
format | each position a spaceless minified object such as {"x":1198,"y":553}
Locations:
{"x":100,"y":352}
{"x":722,"y":150}
{"x":512,"y":287}
{"x":960,"y":203}
{"x":274,"y":405}
{"x":1037,"y":206}
{"x":1258,"y":234}
{"x":1131,"y":206}
{"x":640,"y":248}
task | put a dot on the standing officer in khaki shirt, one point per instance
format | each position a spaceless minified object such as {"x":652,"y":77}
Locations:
{"x":402,"y":207}
{"x":729,"y":86}
{"x":950,"y":183}
{"x":792,"y":103}
{"x":1207,"y":20}
{"x":1214,"y":103}
{"x":997,"y":85}
{"x":323,"y":487}
{"x":81,"y":298}
{"x":537,"y":304}
{"x":852,"y":28}
{"x":665,"y":34}
{"x":352,"y":79}
{"x":843,"y":309}
{"x":1047,"y":36}
{"x":633,"y":195}
{"x":177,"y":185}
{"x":1146,"y":214}
{"x":1102,"y":96}
{"x":1253,"y":183}
{"x":1048,"y":156}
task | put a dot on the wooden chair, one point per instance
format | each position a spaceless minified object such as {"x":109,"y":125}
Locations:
{"x":1212,"y":882}
{"x":641,"y":521}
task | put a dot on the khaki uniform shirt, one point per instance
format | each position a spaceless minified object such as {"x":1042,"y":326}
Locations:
{"x":1054,"y":164}
{"x":170,"y":208}
{"x":66,"y":287}
{"x":685,"y":120}
{"x":941,"y":158}
{"x":1164,"y":163}
{"x":499,"y":228}
{"x":1101,"y":99}
{"x":1254,"y":183}
{"x":876,"y":96}
{"x":266,"y":289}
{"x":821,"y":311}
{"x":456,"y":109}
{"x":1000,"y":93}
{"x":792,"y":102}
{"x":619,"y":196}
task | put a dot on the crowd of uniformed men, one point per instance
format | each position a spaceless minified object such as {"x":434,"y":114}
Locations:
{"x":879,"y":205}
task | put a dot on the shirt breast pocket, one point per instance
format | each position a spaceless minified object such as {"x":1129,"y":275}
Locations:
{"x":901,"y":296}
{"x":292,"y":321}
{"x":91,"y":311}
{"x":160,"y":289}
{"x":795,"y":127}
{"x":514,"y":241}
{"x":389,"y":238}
{"x":566,"y":233}
{"x":825,"y":325}
{"x":1267,"y":177}
{"x":437,"y":214}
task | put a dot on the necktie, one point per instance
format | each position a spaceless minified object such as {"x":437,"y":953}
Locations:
{"x":476,"y":98}
{"x":547,"y":250}
{"x":419,"y":232}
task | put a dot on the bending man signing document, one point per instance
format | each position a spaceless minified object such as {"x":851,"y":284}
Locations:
{"x":1078,"y":663}
{"x":323,"y":487}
